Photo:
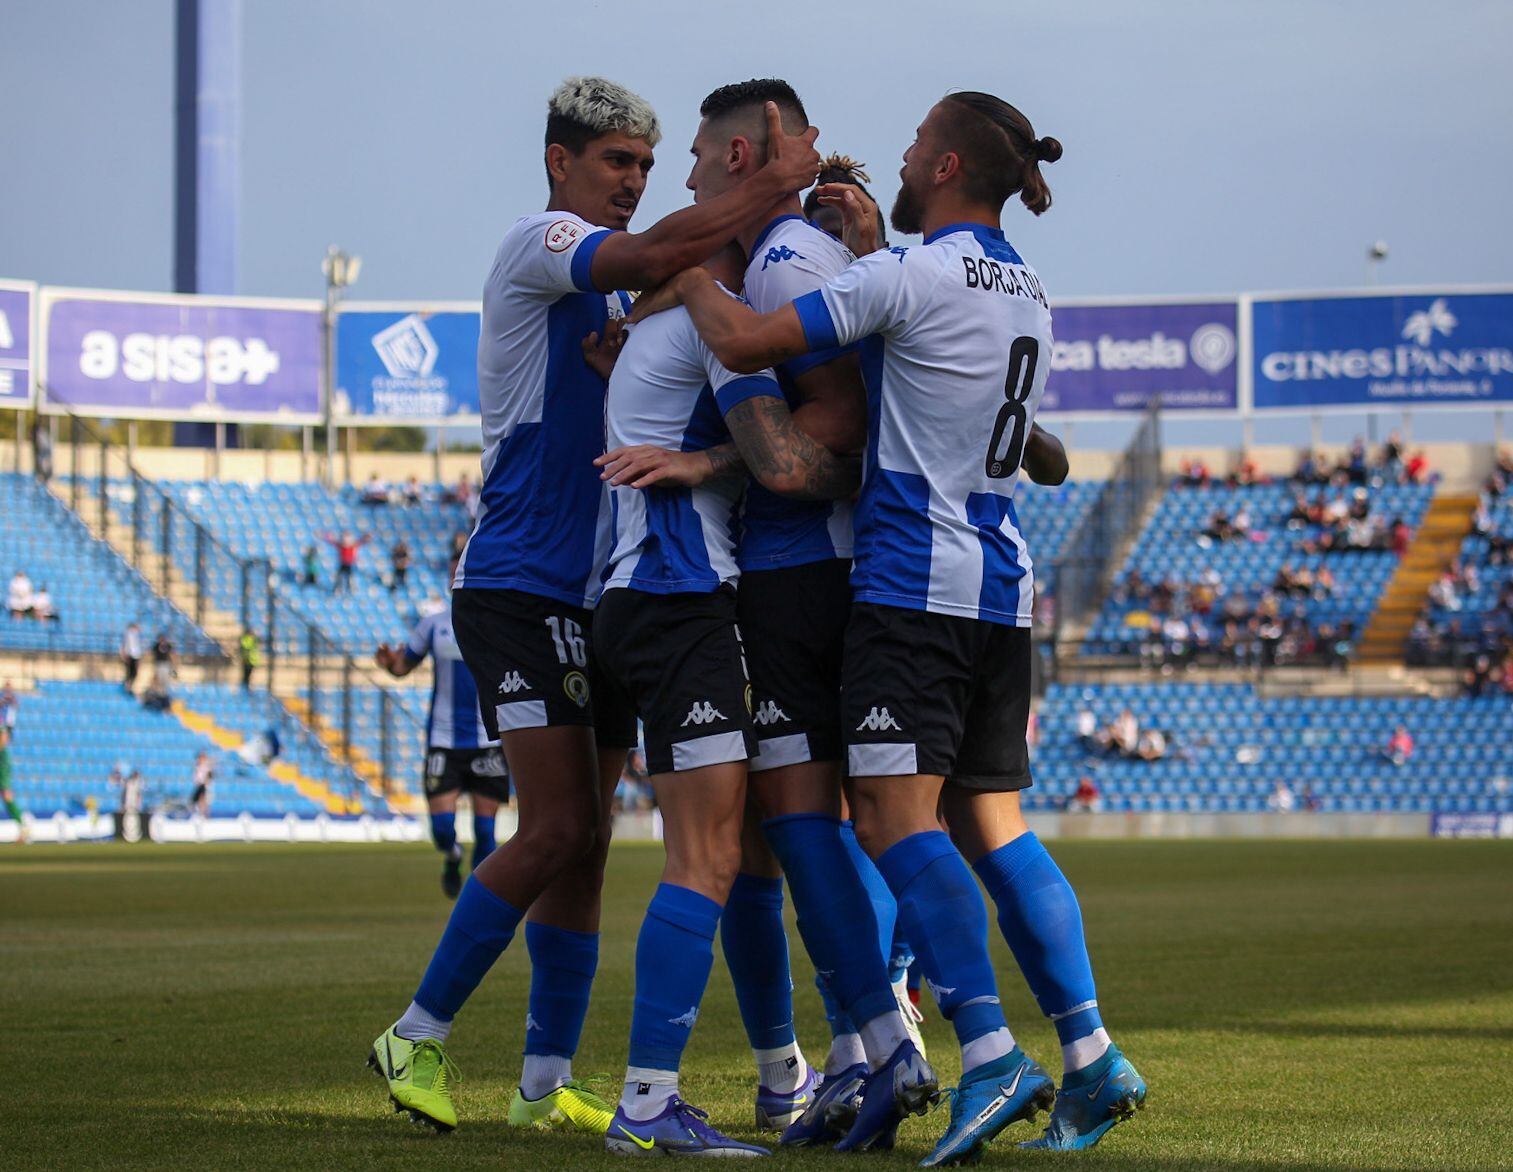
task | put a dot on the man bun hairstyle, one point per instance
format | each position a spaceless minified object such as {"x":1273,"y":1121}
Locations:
{"x":582,"y":109}
{"x":744,"y":94}
{"x":1000,"y":154}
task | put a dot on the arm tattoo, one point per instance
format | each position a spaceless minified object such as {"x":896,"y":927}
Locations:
{"x":725,"y":462}
{"x":778,"y":453}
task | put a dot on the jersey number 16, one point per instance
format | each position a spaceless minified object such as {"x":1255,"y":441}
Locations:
{"x":1006,"y":451}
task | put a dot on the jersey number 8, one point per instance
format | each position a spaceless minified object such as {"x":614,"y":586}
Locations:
{"x":1003,"y":461}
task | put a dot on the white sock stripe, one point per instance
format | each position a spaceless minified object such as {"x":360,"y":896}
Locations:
{"x":1093,"y":1004}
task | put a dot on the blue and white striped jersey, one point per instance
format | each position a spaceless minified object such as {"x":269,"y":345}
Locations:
{"x":670,"y":391}
{"x":790,"y":258}
{"x":543,"y":519}
{"x":957,"y":350}
{"x":454,"y":721}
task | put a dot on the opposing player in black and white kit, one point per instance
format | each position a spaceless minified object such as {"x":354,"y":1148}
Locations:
{"x":461,"y":757}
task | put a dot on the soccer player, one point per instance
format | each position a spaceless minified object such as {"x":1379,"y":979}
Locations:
{"x":667,"y":635}
{"x":461,"y":756}
{"x":530,"y":574}
{"x":7,"y":796}
{"x":937,"y":654}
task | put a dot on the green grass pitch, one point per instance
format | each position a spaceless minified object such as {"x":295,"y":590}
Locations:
{"x":1292,"y":1005}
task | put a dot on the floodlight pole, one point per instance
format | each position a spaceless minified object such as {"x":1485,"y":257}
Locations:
{"x":340,"y":271}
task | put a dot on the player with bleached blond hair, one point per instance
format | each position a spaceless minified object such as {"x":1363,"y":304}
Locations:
{"x":522,"y":606}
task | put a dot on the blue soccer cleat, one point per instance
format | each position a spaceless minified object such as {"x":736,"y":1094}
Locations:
{"x":1105,"y":1093}
{"x":831,"y":1111}
{"x":775,"y":1110}
{"x":990,"y":1098}
{"x":904,"y":1085}
{"x":679,"y":1130}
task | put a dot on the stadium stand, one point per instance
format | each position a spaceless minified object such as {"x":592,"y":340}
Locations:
{"x":71,"y":734}
{"x":283,"y":523}
{"x":1262,"y":552}
{"x":95,"y":593}
{"x":1047,"y":518}
{"x":1225,"y":748}
{"x":408,"y":761}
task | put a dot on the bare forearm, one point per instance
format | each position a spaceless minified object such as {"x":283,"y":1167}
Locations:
{"x":742,"y":339}
{"x":784,"y":458}
{"x":1045,"y":457}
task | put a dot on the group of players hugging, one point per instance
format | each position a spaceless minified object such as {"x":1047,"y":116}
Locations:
{"x":766,"y":510}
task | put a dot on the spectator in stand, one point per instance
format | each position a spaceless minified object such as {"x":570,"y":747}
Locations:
{"x":1281,"y":800}
{"x":250,"y":654}
{"x":412,"y":493}
{"x":1399,"y":748}
{"x":347,"y":548}
{"x":1299,"y":516}
{"x":159,"y":694}
{"x":1124,"y":734}
{"x":1416,"y":468}
{"x":1246,"y":474}
{"x":1355,"y":461}
{"x":1086,"y":798}
{"x":1309,"y":800}
{"x":129,"y":782}
{"x":18,"y":596}
{"x":1443,"y":593}
{"x":1087,"y":730}
{"x":309,"y":566}
{"x":376,"y":491}
{"x":132,"y":650}
{"x":399,"y":563}
{"x":204,"y":779}
{"x":1391,"y":459}
{"x":1194,"y":473}
{"x":1220,"y":528}
{"x":1152,"y":745}
{"x":43,"y":609}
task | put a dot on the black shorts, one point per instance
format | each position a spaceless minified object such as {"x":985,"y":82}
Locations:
{"x":933,"y":693}
{"x":793,"y":621}
{"x":481,"y":772}
{"x":679,"y":658}
{"x":533,"y":660}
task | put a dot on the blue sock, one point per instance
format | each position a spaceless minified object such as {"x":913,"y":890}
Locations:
{"x":481,"y":927}
{"x":1040,"y":919}
{"x":943,"y":915}
{"x":444,"y":832}
{"x":483,"y":839}
{"x":563,"y":963}
{"x":756,"y":952}
{"x":884,"y":906}
{"x":900,"y":957}
{"x":839,"y":1020}
{"x":835,"y":917}
{"x":674,"y":954}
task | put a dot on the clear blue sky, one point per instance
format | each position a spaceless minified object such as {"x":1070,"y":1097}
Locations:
{"x":1210,"y":147}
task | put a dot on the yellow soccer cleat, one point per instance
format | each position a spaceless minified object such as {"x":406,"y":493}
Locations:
{"x":419,"y":1075}
{"x":571,"y":1107}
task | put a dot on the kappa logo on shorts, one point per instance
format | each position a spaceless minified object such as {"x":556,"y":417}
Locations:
{"x":703,"y":712}
{"x":768,"y":712}
{"x":513,"y":682}
{"x":879,"y":720}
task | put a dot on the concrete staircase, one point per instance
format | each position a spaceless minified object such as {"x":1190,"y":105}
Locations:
{"x":1435,"y":545}
{"x":369,"y":770}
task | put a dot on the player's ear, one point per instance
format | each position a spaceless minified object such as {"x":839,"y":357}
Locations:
{"x":738,"y":154}
{"x":947,"y":167}
{"x":556,"y":161}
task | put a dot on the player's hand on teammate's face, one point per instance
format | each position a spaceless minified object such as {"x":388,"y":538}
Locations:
{"x":600,"y":352}
{"x":793,"y":155}
{"x":860,"y":232}
{"x":642,"y":466}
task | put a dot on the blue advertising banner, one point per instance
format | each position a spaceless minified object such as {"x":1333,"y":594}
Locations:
{"x":1396,"y":350}
{"x":415,"y":364}
{"x":1117,"y":357}
{"x":162,"y":356}
{"x":17,"y":299}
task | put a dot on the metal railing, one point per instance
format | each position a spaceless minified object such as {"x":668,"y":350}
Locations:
{"x":226,"y":594}
{"x":1089,"y":557}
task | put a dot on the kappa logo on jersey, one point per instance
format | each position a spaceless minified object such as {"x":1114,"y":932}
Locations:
{"x":879,"y":720}
{"x":513,"y":682}
{"x":768,"y":712}
{"x":703,"y":712}
{"x":563,"y":234}
{"x":686,"y":1020}
{"x":779,"y":254}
